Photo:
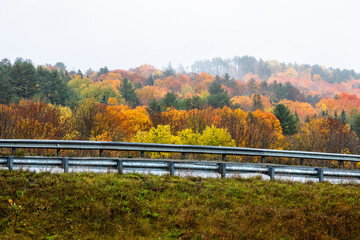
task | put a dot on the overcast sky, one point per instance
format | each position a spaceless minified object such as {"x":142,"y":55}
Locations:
{"x":128,"y":33}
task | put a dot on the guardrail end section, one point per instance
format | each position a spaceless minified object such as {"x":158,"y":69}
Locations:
{"x":65,"y":164}
{"x":10,"y":163}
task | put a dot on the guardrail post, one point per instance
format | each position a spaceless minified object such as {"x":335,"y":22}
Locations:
{"x":262,"y":159}
{"x":271,"y":172}
{"x":13,"y":151}
{"x":65,"y":164}
{"x":171,"y":168}
{"x":142,"y":153}
{"x":183,"y":155}
{"x":222,"y":169}
{"x":58,"y":152}
{"x":301,"y":161}
{"x":120,"y":166}
{"x":101,"y":152}
{"x":320,"y":173}
{"x":10,"y":163}
{"x":223,"y":157}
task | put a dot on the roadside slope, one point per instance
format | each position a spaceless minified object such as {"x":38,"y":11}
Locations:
{"x":108,"y":206}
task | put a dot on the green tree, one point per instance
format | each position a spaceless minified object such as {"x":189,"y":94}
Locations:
{"x":252,"y":86}
{"x":23,"y":79}
{"x":170,"y":100}
{"x":5,"y":81}
{"x":288,"y":121}
{"x":355,"y":125}
{"x":218,"y":97}
{"x":103,"y":70}
{"x":194,"y":102}
{"x":61,"y":66}
{"x":52,"y":86}
{"x":257,"y":102}
{"x":343,"y":116}
{"x":127,"y":91}
{"x":154,"y":106}
{"x":169,"y":71}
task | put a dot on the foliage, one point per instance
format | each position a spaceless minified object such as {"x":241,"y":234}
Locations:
{"x":213,"y":136}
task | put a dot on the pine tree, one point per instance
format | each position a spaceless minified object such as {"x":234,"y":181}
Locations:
{"x":52,"y":86}
{"x":127,"y":91}
{"x":257,"y":103}
{"x":150,"y":81}
{"x":23,"y":79}
{"x":343,"y":116}
{"x":5,"y":78}
{"x":355,"y":126}
{"x":154,"y":106}
{"x":170,"y":100}
{"x":218,"y":97}
{"x":288,"y":121}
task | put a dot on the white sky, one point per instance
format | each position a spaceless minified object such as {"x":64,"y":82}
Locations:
{"x":127,"y":33}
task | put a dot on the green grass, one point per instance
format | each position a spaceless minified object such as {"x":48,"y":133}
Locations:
{"x":110,"y":206}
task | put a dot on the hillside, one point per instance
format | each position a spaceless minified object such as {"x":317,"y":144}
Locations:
{"x":262,"y":105}
{"x":108,"y":206}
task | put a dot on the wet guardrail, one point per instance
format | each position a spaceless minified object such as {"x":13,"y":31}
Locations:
{"x":175,"y":167}
{"x":170,"y":148}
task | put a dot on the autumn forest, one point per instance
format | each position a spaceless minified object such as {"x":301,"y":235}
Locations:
{"x":242,"y":102}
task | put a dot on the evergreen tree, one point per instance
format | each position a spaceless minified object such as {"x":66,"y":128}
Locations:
{"x":5,"y":79}
{"x":288,"y":121}
{"x":218,"y":97}
{"x":355,"y":126}
{"x":170,"y":100}
{"x":169,"y":71}
{"x":61,"y":66}
{"x":227,"y":77}
{"x":251,"y":86}
{"x":52,"y":86}
{"x":127,"y":91}
{"x":80,"y":73}
{"x":154,"y":106}
{"x":195,"y":102}
{"x":215,"y":88}
{"x":23,"y":79}
{"x":150,"y":81}
{"x":257,"y":103}
{"x":343,"y":116}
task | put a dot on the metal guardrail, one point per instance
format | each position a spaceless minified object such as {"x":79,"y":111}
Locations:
{"x":169,"y":148}
{"x":174,"y":167}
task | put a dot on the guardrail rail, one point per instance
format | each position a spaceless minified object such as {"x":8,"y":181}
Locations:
{"x":173,"y":167}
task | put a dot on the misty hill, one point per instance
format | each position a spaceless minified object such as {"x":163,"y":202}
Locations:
{"x":238,"y":67}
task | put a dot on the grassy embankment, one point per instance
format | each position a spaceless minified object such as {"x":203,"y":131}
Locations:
{"x":108,"y":206}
